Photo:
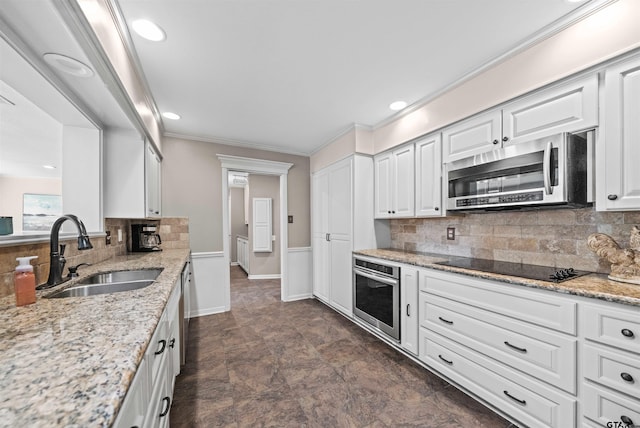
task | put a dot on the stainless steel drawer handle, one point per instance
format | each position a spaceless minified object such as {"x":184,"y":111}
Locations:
{"x":445,"y":321}
{"x":626,"y":332}
{"x":626,"y":377}
{"x":445,"y":360}
{"x":517,"y":348}
{"x":517,"y":400}
{"x":408,"y":314}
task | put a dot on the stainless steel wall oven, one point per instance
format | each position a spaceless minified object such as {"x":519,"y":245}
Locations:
{"x":376,"y":295}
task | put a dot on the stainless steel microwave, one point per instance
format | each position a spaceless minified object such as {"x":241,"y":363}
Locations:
{"x":551,"y":172}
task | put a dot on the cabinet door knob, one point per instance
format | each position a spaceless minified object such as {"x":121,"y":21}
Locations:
{"x":388,"y":212}
{"x":626,"y":377}
{"x":505,"y":138}
{"x":626,"y":332}
{"x":408,"y":314}
{"x":612,"y":197}
{"x":437,"y":209}
{"x":626,"y":420}
{"x":393,"y":212}
{"x":495,"y":141}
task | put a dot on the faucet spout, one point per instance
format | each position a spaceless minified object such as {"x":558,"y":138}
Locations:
{"x":57,"y":260}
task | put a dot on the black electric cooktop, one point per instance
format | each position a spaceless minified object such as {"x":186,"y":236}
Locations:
{"x":541,"y":273}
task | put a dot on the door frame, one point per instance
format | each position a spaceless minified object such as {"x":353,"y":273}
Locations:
{"x":264,"y":167}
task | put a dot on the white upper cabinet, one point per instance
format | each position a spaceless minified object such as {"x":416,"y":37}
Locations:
{"x":132,"y":176}
{"x":262,"y":225}
{"x":569,"y":107}
{"x":395,"y":183}
{"x":618,"y":149}
{"x":475,"y":135}
{"x":429,"y":176}
{"x":152,"y":182}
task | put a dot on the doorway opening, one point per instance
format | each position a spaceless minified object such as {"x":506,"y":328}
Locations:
{"x":277,"y":171}
{"x":254,"y":226}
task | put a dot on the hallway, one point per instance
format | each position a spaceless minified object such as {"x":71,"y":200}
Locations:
{"x":300,"y":364}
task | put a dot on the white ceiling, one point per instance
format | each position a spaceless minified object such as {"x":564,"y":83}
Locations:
{"x":291,"y":75}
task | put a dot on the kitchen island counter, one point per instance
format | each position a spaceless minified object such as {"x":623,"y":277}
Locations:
{"x":69,"y":361}
{"x":594,"y":285}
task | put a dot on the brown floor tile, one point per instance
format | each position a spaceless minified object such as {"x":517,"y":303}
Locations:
{"x":301,"y":364}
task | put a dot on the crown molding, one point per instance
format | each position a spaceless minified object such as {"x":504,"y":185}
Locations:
{"x":352,"y":127}
{"x":236,"y":143}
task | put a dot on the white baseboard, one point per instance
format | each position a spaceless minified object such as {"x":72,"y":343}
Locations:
{"x":208,"y":311}
{"x":270,"y":276}
{"x":234,"y":264}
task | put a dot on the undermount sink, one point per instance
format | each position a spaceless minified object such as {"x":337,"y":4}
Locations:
{"x":110,"y":282}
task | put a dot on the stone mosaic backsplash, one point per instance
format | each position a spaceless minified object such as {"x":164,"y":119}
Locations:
{"x":174,"y":232}
{"x":545,"y":237}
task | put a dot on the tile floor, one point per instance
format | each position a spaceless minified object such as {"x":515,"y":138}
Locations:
{"x":300,"y":364}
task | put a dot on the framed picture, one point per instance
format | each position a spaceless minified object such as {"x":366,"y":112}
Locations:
{"x":40,"y":212}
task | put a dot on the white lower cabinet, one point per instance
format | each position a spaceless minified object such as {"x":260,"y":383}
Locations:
{"x":242,"y":250}
{"x":529,"y":401}
{"x":611,"y":364}
{"x":512,"y":347}
{"x":148,"y":400}
{"x":409,"y":318}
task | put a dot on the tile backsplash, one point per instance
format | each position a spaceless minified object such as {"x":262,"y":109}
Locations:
{"x":546,"y":237}
{"x":174,"y":232}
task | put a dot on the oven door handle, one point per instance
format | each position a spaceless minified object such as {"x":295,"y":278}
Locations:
{"x":547,"y":168}
{"x":388,"y":281}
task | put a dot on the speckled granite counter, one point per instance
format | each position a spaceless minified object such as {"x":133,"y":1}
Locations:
{"x":594,"y":285}
{"x":69,"y":362}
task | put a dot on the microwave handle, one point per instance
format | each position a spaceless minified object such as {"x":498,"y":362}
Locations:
{"x":547,"y":168}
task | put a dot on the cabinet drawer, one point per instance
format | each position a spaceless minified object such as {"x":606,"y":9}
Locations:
{"x":535,"y":351}
{"x":615,"y":369}
{"x":606,"y":407}
{"x":534,"y":306}
{"x":615,"y":327}
{"x":532,"y":403}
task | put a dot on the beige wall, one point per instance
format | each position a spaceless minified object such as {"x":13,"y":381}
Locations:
{"x":601,"y":36}
{"x":236,"y":218}
{"x":12,"y":190}
{"x":264,"y":186}
{"x":191,"y":186}
{"x":547,"y":237}
{"x":358,"y":139}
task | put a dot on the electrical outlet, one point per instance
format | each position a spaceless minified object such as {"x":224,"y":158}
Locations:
{"x":107,"y":239}
{"x":451,"y":233}
{"x":290,"y":219}
{"x":119,"y":235}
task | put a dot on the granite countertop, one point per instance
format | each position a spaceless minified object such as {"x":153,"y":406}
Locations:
{"x":69,"y":361}
{"x":594,"y":285}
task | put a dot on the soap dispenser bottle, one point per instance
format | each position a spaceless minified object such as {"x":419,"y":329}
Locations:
{"x":25,"y":282}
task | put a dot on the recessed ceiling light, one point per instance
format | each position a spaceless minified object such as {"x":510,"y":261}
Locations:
{"x":397,"y":105}
{"x":68,"y":65}
{"x":48,"y":166}
{"x":169,"y":115}
{"x":148,"y":30}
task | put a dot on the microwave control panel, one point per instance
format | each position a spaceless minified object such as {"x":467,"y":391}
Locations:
{"x":500,"y":199}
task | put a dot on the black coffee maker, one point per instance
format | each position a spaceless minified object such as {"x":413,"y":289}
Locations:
{"x":144,"y":238}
